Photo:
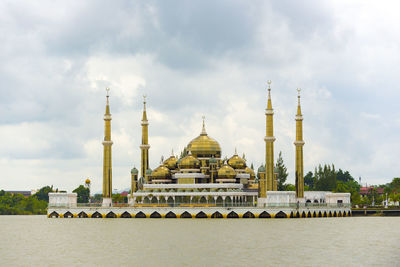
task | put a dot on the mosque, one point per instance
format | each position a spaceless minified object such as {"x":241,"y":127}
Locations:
{"x":202,"y":182}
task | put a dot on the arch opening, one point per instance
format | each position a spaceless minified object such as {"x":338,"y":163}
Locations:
{"x":54,"y":215}
{"x":170,"y":215}
{"x":97,"y":215}
{"x":186,"y":215}
{"x":201,"y":215}
{"x":68,"y":215}
{"x":155,"y":215}
{"x":281,"y":215}
{"x":140,"y":214}
{"x":232,"y":215}
{"x":248,"y":214}
{"x":126,"y":215}
{"x":216,"y":215}
{"x":264,"y":215}
{"x":82,"y":215}
{"x":111,"y":215}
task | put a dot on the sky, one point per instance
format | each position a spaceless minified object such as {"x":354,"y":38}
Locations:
{"x":194,"y":59}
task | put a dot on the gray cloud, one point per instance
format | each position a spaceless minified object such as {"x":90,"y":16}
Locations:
{"x":193,"y":59}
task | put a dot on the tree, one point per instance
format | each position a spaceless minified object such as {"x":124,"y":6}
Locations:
{"x":43,"y":193}
{"x":309,"y":180}
{"x":325,"y":178}
{"x":183,"y":153}
{"x":118,"y":198}
{"x":282,"y":173}
{"x":290,"y":187}
{"x":83,"y":194}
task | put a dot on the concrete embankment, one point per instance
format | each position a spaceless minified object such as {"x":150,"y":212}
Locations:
{"x":375,"y":212}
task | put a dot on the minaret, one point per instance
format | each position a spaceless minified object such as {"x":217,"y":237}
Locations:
{"x":144,"y":147}
{"x":269,"y":143}
{"x":299,"y":143}
{"x":107,"y":143}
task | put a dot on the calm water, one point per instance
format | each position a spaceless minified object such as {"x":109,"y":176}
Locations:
{"x":36,"y":240}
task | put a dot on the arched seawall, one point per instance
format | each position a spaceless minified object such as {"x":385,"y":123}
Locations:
{"x":197,"y":212}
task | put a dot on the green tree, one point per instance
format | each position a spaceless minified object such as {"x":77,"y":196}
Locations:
{"x":290,"y":187}
{"x":282,"y":172}
{"x":183,"y":153}
{"x":309,"y":180}
{"x":83,"y":194}
{"x":118,"y":198}
{"x":325,"y":178}
{"x":43,"y":193}
{"x":96,"y":198}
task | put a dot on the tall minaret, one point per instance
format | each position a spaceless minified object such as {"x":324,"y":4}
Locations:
{"x":299,"y":143}
{"x":269,"y":142}
{"x":107,"y":143}
{"x":144,"y":147}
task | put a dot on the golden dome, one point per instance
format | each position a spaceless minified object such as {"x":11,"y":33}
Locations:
{"x":237,"y":162}
{"x":226,"y":172}
{"x":161,"y":172}
{"x":189,"y":162}
{"x":87,"y":181}
{"x":171,"y":162}
{"x":251,"y":172}
{"x":204,"y":146}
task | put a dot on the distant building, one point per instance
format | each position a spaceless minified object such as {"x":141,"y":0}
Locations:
{"x":24,"y":193}
{"x":365,"y":191}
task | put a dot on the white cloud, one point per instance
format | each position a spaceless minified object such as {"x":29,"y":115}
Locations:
{"x":58,"y":58}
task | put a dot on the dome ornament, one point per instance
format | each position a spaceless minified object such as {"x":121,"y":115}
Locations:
{"x":298,"y":95}
{"x":107,"y":93}
{"x":269,"y":89}
{"x":144,"y":101}
{"x":203,"y":131}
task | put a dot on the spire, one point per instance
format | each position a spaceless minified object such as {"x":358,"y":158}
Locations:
{"x":203,"y":131}
{"x":108,"y":102}
{"x":144,"y":109}
{"x":107,"y":164}
{"x":235,"y":152}
{"x":298,"y":102}
{"x":269,"y":106}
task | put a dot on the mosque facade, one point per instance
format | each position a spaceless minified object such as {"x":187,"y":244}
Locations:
{"x":203,"y":182}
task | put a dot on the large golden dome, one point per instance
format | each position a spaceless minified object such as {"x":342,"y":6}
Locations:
{"x":161,"y":172}
{"x":226,"y":172}
{"x":237,"y":162}
{"x":204,"y":146}
{"x":189,"y":162}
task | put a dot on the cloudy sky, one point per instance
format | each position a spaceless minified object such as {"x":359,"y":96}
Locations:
{"x":195,"y":58}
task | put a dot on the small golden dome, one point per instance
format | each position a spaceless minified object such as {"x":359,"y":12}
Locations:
{"x":204,"y":146}
{"x":171,"y":163}
{"x":161,"y":172}
{"x":237,"y":162}
{"x":226,"y":172}
{"x":87,"y":181}
{"x":251,"y":172}
{"x":189,"y":162}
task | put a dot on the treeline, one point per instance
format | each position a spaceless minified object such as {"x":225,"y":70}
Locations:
{"x":327,"y":178}
{"x":18,"y":204}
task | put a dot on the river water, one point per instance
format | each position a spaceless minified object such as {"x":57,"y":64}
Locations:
{"x":348,"y":241}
